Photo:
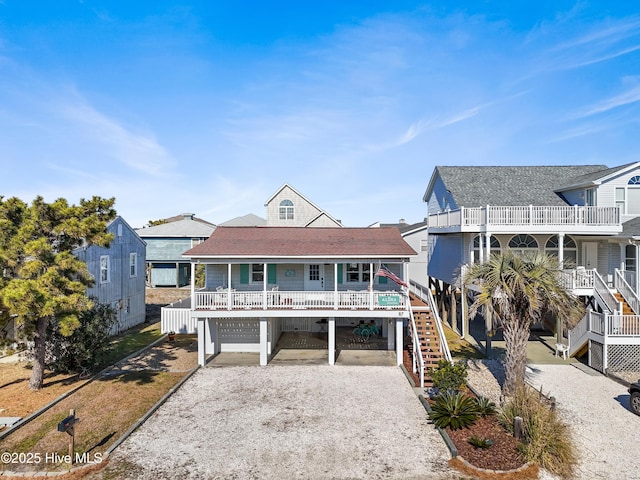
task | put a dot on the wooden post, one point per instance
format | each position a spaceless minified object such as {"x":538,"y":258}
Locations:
{"x":553,"y":403}
{"x":72,"y":436}
{"x":518,"y":428}
{"x":454,"y":310}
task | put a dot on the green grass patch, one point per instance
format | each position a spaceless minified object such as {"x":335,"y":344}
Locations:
{"x":131,"y":341}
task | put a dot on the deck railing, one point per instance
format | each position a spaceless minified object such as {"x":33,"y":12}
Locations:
{"x":527,"y":215}
{"x":300,"y":300}
{"x":623,"y":287}
{"x":579,"y":278}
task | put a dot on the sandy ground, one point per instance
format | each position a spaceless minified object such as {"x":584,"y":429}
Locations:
{"x":605,"y":431}
{"x":276,"y":422}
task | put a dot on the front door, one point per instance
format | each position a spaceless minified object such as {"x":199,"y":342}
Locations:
{"x":314,"y":277}
{"x":590,"y":255}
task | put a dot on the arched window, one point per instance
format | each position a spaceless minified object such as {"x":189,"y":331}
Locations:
{"x":633,"y":196}
{"x":523,"y":243}
{"x":569,"y":249}
{"x":286,"y":210}
{"x":494,"y":247}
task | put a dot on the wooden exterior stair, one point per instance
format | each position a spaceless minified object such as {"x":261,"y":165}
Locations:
{"x":427,"y":333}
{"x":626,"y":309}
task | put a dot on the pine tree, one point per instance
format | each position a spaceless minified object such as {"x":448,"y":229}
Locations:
{"x":42,"y":281}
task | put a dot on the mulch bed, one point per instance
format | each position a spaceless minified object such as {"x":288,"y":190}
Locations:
{"x":502,"y":455}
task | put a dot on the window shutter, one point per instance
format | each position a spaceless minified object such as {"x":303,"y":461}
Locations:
{"x":381,"y":279}
{"x":272,"y":276}
{"x":244,"y":273}
{"x":339,"y":273}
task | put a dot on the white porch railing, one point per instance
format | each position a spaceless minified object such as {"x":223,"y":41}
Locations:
{"x":603,"y":295}
{"x":578,"y":278}
{"x":527,"y":215}
{"x":426,"y":296}
{"x":630,"y":296}
{"x":176,"y":317}
{"x":282,"y":300}
{"x":418,"y":359}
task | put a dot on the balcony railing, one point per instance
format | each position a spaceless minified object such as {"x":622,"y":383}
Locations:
{"x":527,"y":215}
{"x":300,"y":300}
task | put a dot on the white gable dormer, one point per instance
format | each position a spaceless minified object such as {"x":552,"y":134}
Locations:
{"x":289,"y":208}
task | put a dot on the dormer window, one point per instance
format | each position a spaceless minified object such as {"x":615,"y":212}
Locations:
{"x":633,"y":196}
{"x":286,"y":210}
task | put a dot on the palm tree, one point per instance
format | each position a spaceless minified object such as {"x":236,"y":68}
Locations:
{"x":518,"y":291}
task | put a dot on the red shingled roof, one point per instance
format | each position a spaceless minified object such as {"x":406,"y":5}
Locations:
{"x":302,"y":242}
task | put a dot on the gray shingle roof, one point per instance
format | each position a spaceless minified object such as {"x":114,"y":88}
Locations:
{"x":249,"y":220}
{"x":531,"y":185}
{"x":589,"y":178}
{"x":185,"y":228}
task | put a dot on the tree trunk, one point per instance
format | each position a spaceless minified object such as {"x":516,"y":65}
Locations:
{"x":516,"y":336}
{"x":39,"y":343}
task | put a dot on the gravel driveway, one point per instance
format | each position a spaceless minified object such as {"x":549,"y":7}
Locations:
{"x":605,"y":430}
{"x":293,"y":422}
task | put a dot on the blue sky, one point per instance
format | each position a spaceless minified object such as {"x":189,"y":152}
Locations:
{"x":209,"y":107}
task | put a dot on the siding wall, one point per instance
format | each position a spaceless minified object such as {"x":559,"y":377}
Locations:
{"x":304,"y":211}
{"x":167,"y":249}
{"x":440,"y":199}
{"x":418,"y":264}
{"x":123,"y":291}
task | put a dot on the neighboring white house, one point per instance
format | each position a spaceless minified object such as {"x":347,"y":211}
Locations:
{"x":118,"y":271}
{"x":587,"y":215}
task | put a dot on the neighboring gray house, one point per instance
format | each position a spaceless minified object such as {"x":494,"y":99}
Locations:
{"x":118,"y":271}
{"x":165,"y":245}
{"x":586,"y":215}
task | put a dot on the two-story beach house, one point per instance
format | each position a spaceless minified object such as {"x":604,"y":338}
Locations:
{"x":118,"y":272}
{"x":586,"y":215}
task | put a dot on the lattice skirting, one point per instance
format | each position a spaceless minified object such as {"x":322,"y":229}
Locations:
{"x":596,"y":355}
{"x":621,"y":358}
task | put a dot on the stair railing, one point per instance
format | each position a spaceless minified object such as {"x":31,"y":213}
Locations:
{"x":418,"y":359}
{"x":603,"y":294}
{"x":424,"y":294}
{"x":620,"y":283}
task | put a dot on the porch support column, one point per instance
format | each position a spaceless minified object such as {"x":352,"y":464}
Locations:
{"x":229,"y":299}
{"x":193,"y":286}
{"x":331,"y":328}
{"x":335,"y":286}
{"x":399,"y":340}
{"x":464,"y":312}
{"x":488,"y":246}
{"x":561,"y":249}
{"x":480,"y":248}
{"x":201,"y":342}
{"x":263,"y":341}
{"x":623,"y":256}
{"x":454,"y":309}
{"x":210,"y":327}
{"x":178,"y":275}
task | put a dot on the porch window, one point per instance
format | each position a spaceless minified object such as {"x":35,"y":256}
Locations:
{"x":358,"y":272}
{"x":523,"y":243}
{"x":620,"y":203}
{"x":630,"y":258}
{"x":257,"y":273}
{"x":493,"y":248}
{"x":286,"y":210}
{"x":569,"y":250}
{"x":590,"y":197}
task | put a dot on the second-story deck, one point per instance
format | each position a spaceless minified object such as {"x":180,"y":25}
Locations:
{"x":299,"y":300}
{"x":529,"y":219}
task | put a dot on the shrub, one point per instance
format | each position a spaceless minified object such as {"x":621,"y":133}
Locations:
{"x":449,"y":376}
{"x":485,"y":407}
{"x":88,"y":345}
{"x":454,"y":410}
{"x":479,"y":442}
{"x":547,"y":440}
